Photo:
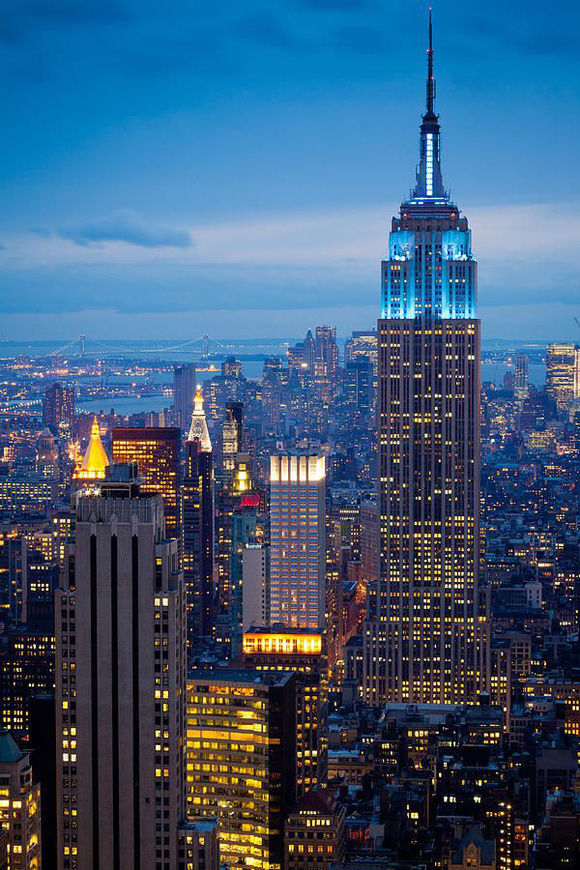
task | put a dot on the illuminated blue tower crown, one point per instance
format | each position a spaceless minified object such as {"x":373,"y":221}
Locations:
{"x":430,"y":271}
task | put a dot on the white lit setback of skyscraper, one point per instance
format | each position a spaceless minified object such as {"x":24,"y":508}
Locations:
{"x":424,"y":639}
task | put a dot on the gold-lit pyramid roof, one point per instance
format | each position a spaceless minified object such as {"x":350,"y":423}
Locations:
{"x":198,"y":430}
{"x":95,"y":460}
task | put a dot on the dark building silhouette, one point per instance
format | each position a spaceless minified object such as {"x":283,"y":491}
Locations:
{"x":58,"y":406}
{"x":184,"y":386}
{"x":42,"y":743}
{"x":120,"y":685}
{"x":198,"y":525}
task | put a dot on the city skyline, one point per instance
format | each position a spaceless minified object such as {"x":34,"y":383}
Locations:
{"x":127,"y":215}
{"x":275,"y":603}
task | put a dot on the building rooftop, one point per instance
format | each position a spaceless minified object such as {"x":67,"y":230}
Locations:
{"x":239,"y":675}
{"x":317,"y":800}
{"x":474,"y":835}
{"x":201,"y":825}
{"x":9,"y":751}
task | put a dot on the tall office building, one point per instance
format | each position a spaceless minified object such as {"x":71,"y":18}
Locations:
{"x":301,"y":356}
{"x":272,"y":392}
{"x":241,"y":761}
{"x":232,"y":439}
{"x":303,"y":652}
{"x":198,"y":524}
{"x":421,"y":641}
{"x":255,"y":585}
{"x":362,"y":343}
{"x":13,"y":574}
{"x":157,"y":451}
{"x":184,"y":384}
{"x":560,"y":372}
{"x":236,"y":409}
{"x":521,"y":377}
{"x":298,"y":540}
{"x":327,"y":349}
{"x":229,"y":444}
{"x":120,"y":684}
{"x":248,"y":525}
{"x":358,"y":392}
{"x":229,"y":386}
{"x":26,"y":671}
{"x":364,"y":346}
{"x":235,"y":494}
{"x":58,"y":406}
{"x":46,"y":454}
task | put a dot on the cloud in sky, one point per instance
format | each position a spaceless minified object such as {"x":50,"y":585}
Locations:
{"x":129,"y":227}
{"x":259,"y":145}
{"x":286,"y":263}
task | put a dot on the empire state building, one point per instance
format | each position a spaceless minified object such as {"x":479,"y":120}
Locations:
{"x":424,"y":640}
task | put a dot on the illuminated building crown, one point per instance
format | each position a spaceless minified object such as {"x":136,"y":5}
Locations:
{"x":430,"y":271}
{"x":198,"y":430}
{"x":95,"y":460}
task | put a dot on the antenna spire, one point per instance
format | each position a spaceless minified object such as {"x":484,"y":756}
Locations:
{"x":429,"y":179}
{"x":430,"y":79}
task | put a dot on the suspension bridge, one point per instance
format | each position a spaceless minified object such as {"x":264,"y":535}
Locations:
{"x":83,"y":347}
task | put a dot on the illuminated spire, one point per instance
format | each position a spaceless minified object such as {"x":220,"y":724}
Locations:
{"x":95,"y":460}
{"x":430,"y":79}
{"x":198,"y":430}
{"x":429,"y":178}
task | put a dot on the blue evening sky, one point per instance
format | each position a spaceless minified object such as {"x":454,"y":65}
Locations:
{"x":174,"y":168}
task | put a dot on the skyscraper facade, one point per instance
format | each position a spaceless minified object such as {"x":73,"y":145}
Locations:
{"x":184,"y":384}
{"x":358,"y":390}
{"x":327,"y":351}
{"x":297,"y":540}
{"x":26,"y":670}
{"x":241,"y":761}
{"x":248,"y":524}
{"x":120,"y":684}
{"x":421,"y":641}
{"x":235,"y":494}
{"x":560,"y":373}
{"x":157,"y":451}
{"x":521,"y":376}
{"x":198,"y":523}
{"x":255,"y":585}
{"x":303,"y":652}
{"x":58,"y":406}
{"x":362,"y":344}
{"x":236,"y":410}
{"x":230,"y":445}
